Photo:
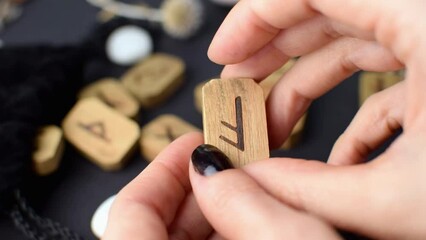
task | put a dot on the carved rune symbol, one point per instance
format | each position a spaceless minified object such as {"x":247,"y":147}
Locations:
{"x":169,"y":134}
{"x":95,"y":128}
{"x":237,"y":129}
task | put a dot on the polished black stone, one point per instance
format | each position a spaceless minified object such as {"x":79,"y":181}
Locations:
{"x":208,"y":160}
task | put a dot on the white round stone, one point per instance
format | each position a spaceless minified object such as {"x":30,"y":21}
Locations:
{"x":225,"y":2}
{"x":128,"y":44}
{"x":100,"y":217}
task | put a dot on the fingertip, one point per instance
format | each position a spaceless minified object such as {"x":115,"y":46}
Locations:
{"x":221,"y":52}
{"x":258,"y":65}
{"x":196,"y":137}
{"x":228,"y":72}
{"x":215,"y":52}
{"x":208,"y":160}
{"x":336,"y":156}
{"x":175,"y":155}
{"x":222,"y":49}
{"x":241,"y":34}
{"x":212,"y":53}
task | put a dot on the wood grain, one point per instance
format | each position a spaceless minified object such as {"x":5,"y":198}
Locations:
{"x":198,"y":96}
{"x":234,"y":119}
{"x":100,"y":133}
{"x":269,"y":82}
{"x":372,"y":82}
{"x":160,"y":132}
{"x":155,"y":79}
{"x":296,"y":134}
{"x":49,"y":148}
{"x":114,"y":94}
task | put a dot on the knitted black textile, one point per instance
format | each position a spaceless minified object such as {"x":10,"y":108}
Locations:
{"x":37,"y":86}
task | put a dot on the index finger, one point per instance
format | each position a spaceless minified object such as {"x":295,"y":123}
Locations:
{"x":251,"y":24}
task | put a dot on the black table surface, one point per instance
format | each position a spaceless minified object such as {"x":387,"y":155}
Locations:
{"x":71,"y":195}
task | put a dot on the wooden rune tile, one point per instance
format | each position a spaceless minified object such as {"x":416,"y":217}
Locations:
{"x":296,"y":134}
{"x":100,"y":133}
{"x":114,"y":94}
{"x":198,"y":96}
{"x":234,"y":119}
{"x":372,"y":82}
{"x":155,"y":79}
{"x":268,"y":83}
{"x":49,"y":148}
{"x":160,"y":132}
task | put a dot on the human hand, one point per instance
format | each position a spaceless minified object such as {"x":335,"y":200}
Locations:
{"x":333,"y":38}
{"x":239,"y":208}
{"x":159,"y":204}
{"x":382,"y":199}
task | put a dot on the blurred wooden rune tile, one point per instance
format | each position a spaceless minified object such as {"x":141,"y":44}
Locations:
{"x":104,"y":16}
{"x":372,"y":82}
{"x":268,"y":83}
{"x":296,"y":134}
{"x":49,"y":148}
{"x":114,"y":94}
{"x":9,"y":11}
{"x":155,"y":79}
{"x":234,"y":119}
{"x":160,"y":132}
{"x":198,"y":96}
{"x":100,"y":133}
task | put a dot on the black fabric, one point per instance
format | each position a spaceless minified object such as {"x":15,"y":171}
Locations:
{"x":36,"y":227}
{"x":37,"y":87}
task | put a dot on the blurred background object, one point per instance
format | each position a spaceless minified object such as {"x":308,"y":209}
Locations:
{"x":225,"y":2}
{"x":10,"y":10}
{"x":179,"y":18}
{"x":128,"y":44}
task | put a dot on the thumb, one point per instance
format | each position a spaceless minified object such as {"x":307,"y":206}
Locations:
{"x":238,"y":208}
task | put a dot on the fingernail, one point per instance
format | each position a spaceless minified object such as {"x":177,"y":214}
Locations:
{"x":208,"y":160}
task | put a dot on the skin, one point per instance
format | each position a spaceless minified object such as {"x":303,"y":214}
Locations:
{"x":285,"y":198}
